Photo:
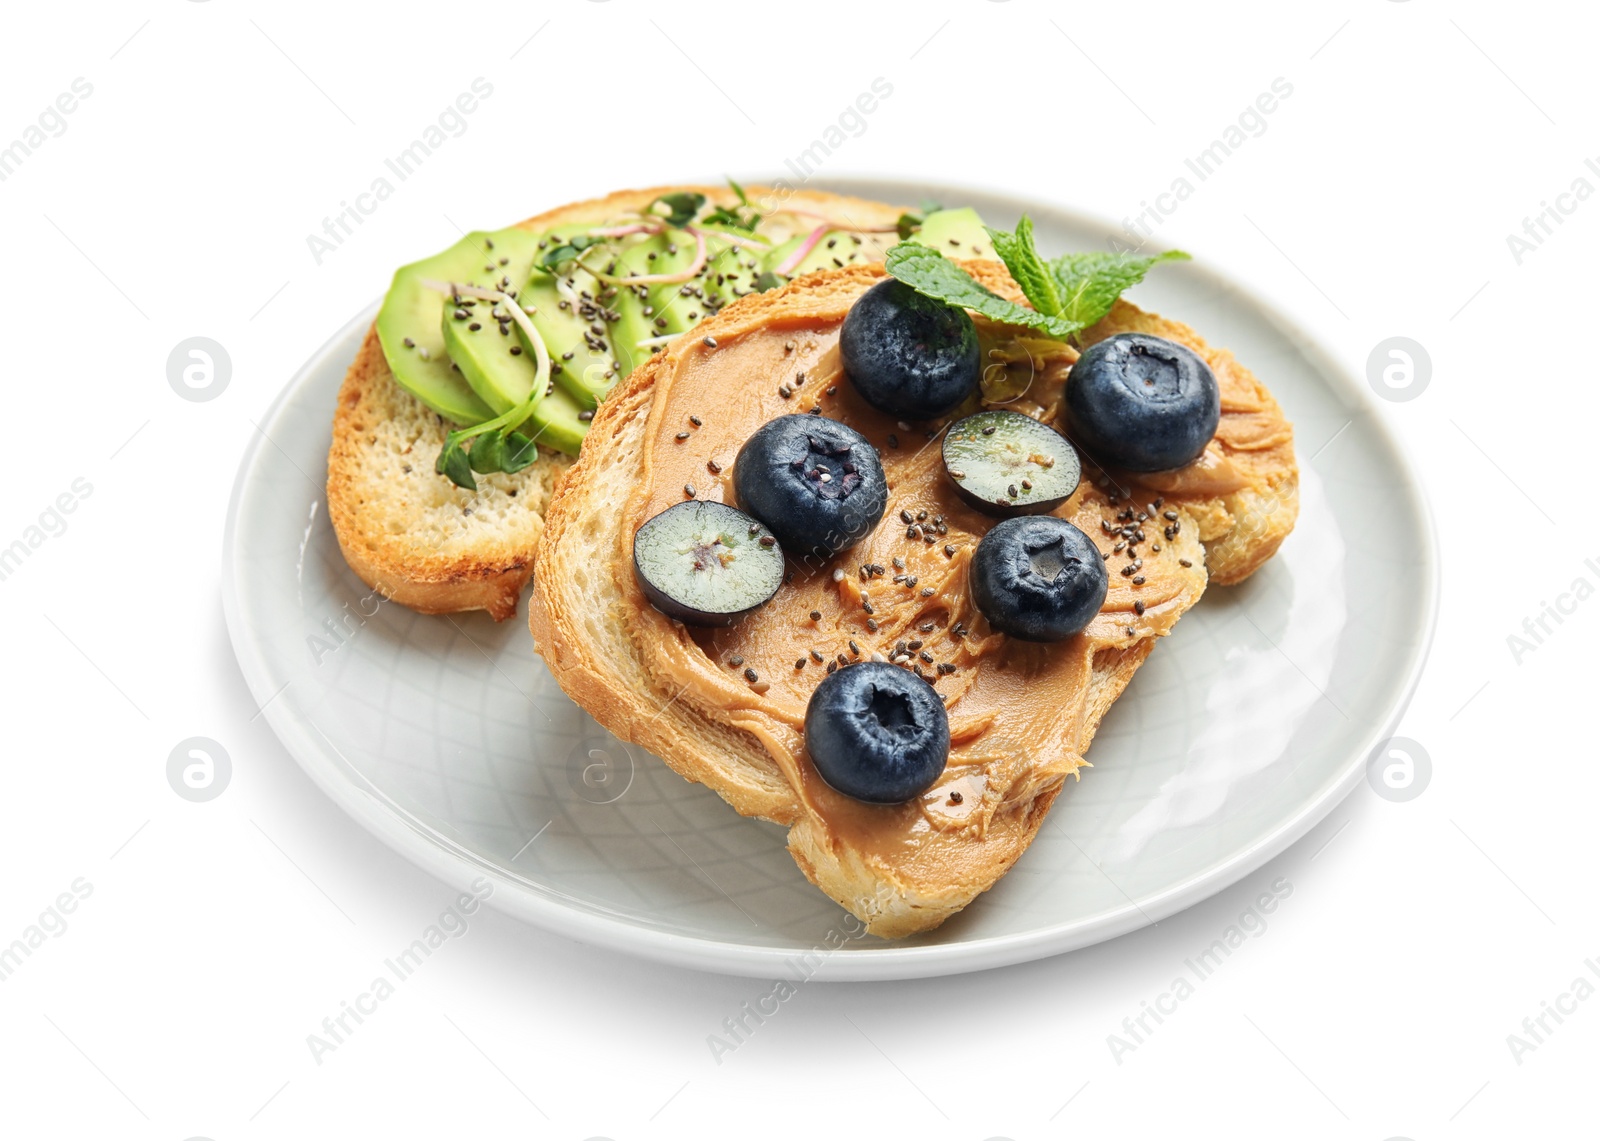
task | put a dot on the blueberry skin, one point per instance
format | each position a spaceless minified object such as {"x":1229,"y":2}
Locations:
{"x":909,"y":355}
{"x":1038,"y":578}
{"x":1143,"y":403}
{"x":778,"y":477}
{"x":877,"y":733}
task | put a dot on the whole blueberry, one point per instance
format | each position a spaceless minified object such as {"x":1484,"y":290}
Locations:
{"x":909,"y":355}
{"x":1038,"y":578}
{"x":877,"y":733}
{"x":1143,"y":403}
{"x":817,"y":484}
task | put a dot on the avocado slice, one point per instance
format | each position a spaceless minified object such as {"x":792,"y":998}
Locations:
{"x":554,"y":422}
{"x":480,"y":335}
{"x":409,"y":330}
{"x":730,"y":273}
{"x":655,"y":310}
{"x":669,"y":308}
{"x":570,"y":312}
{"x":845,"y":250}
{"x":956,"y":234}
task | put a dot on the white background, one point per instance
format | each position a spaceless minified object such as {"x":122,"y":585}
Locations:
{"x":177,"y":203}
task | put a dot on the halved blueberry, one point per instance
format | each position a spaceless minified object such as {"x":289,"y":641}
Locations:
{"x":1004,"y":463}
{"x":816,"y":483}
{"x":909,"y":355}
{"x":877,"y":733}
{"x":1142,"y":402}
{"x":1038,"y":578}
{"x":705,"y":563}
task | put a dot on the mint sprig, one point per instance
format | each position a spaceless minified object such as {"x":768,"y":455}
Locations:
{"x":1090,"y":283}
{"x":1028,"y":269}
{"x":931,"y":274}
{"x":1067,"y":294}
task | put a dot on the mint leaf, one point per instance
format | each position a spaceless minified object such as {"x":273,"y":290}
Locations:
{"x":1089,"y":284}
{"x":1027,"y":268}
{"x":932,"y":275}
{"x":1068,"y":294}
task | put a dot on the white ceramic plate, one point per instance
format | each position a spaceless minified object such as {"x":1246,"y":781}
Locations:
{"x":448,"y":738}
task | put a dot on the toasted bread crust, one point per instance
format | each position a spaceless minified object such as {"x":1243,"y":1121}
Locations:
{"x":579,"y":615}
{"x":377,"y":423}
{"x":410,"y":533}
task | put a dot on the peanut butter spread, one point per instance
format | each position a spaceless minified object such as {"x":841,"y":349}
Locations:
{"x":1017,"y":710}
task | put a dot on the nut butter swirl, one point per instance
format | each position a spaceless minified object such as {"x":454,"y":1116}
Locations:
{"x":1017,"y":710}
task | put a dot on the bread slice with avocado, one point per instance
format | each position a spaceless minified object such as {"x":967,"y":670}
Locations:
{"x":437,"y":362}
{"x":728,"y":707}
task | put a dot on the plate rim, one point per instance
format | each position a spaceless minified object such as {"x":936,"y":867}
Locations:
{"x":459,"y":867}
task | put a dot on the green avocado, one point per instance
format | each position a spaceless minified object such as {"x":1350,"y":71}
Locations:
{"x":731,"y":271}
{"x":956,"y":234}
{"x":555,"y":423}
{"x":836,"y":249}
{"x":663,"y":309}
{"x":480,"y":335}
{"x":413,"y":342}
{"x":650,"y":310}
{"x":596,"y":331}
{"x":570,"y":311}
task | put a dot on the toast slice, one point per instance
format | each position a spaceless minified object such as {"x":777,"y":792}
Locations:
{"x":1021,"y":716}
{"x":418,"y":538}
